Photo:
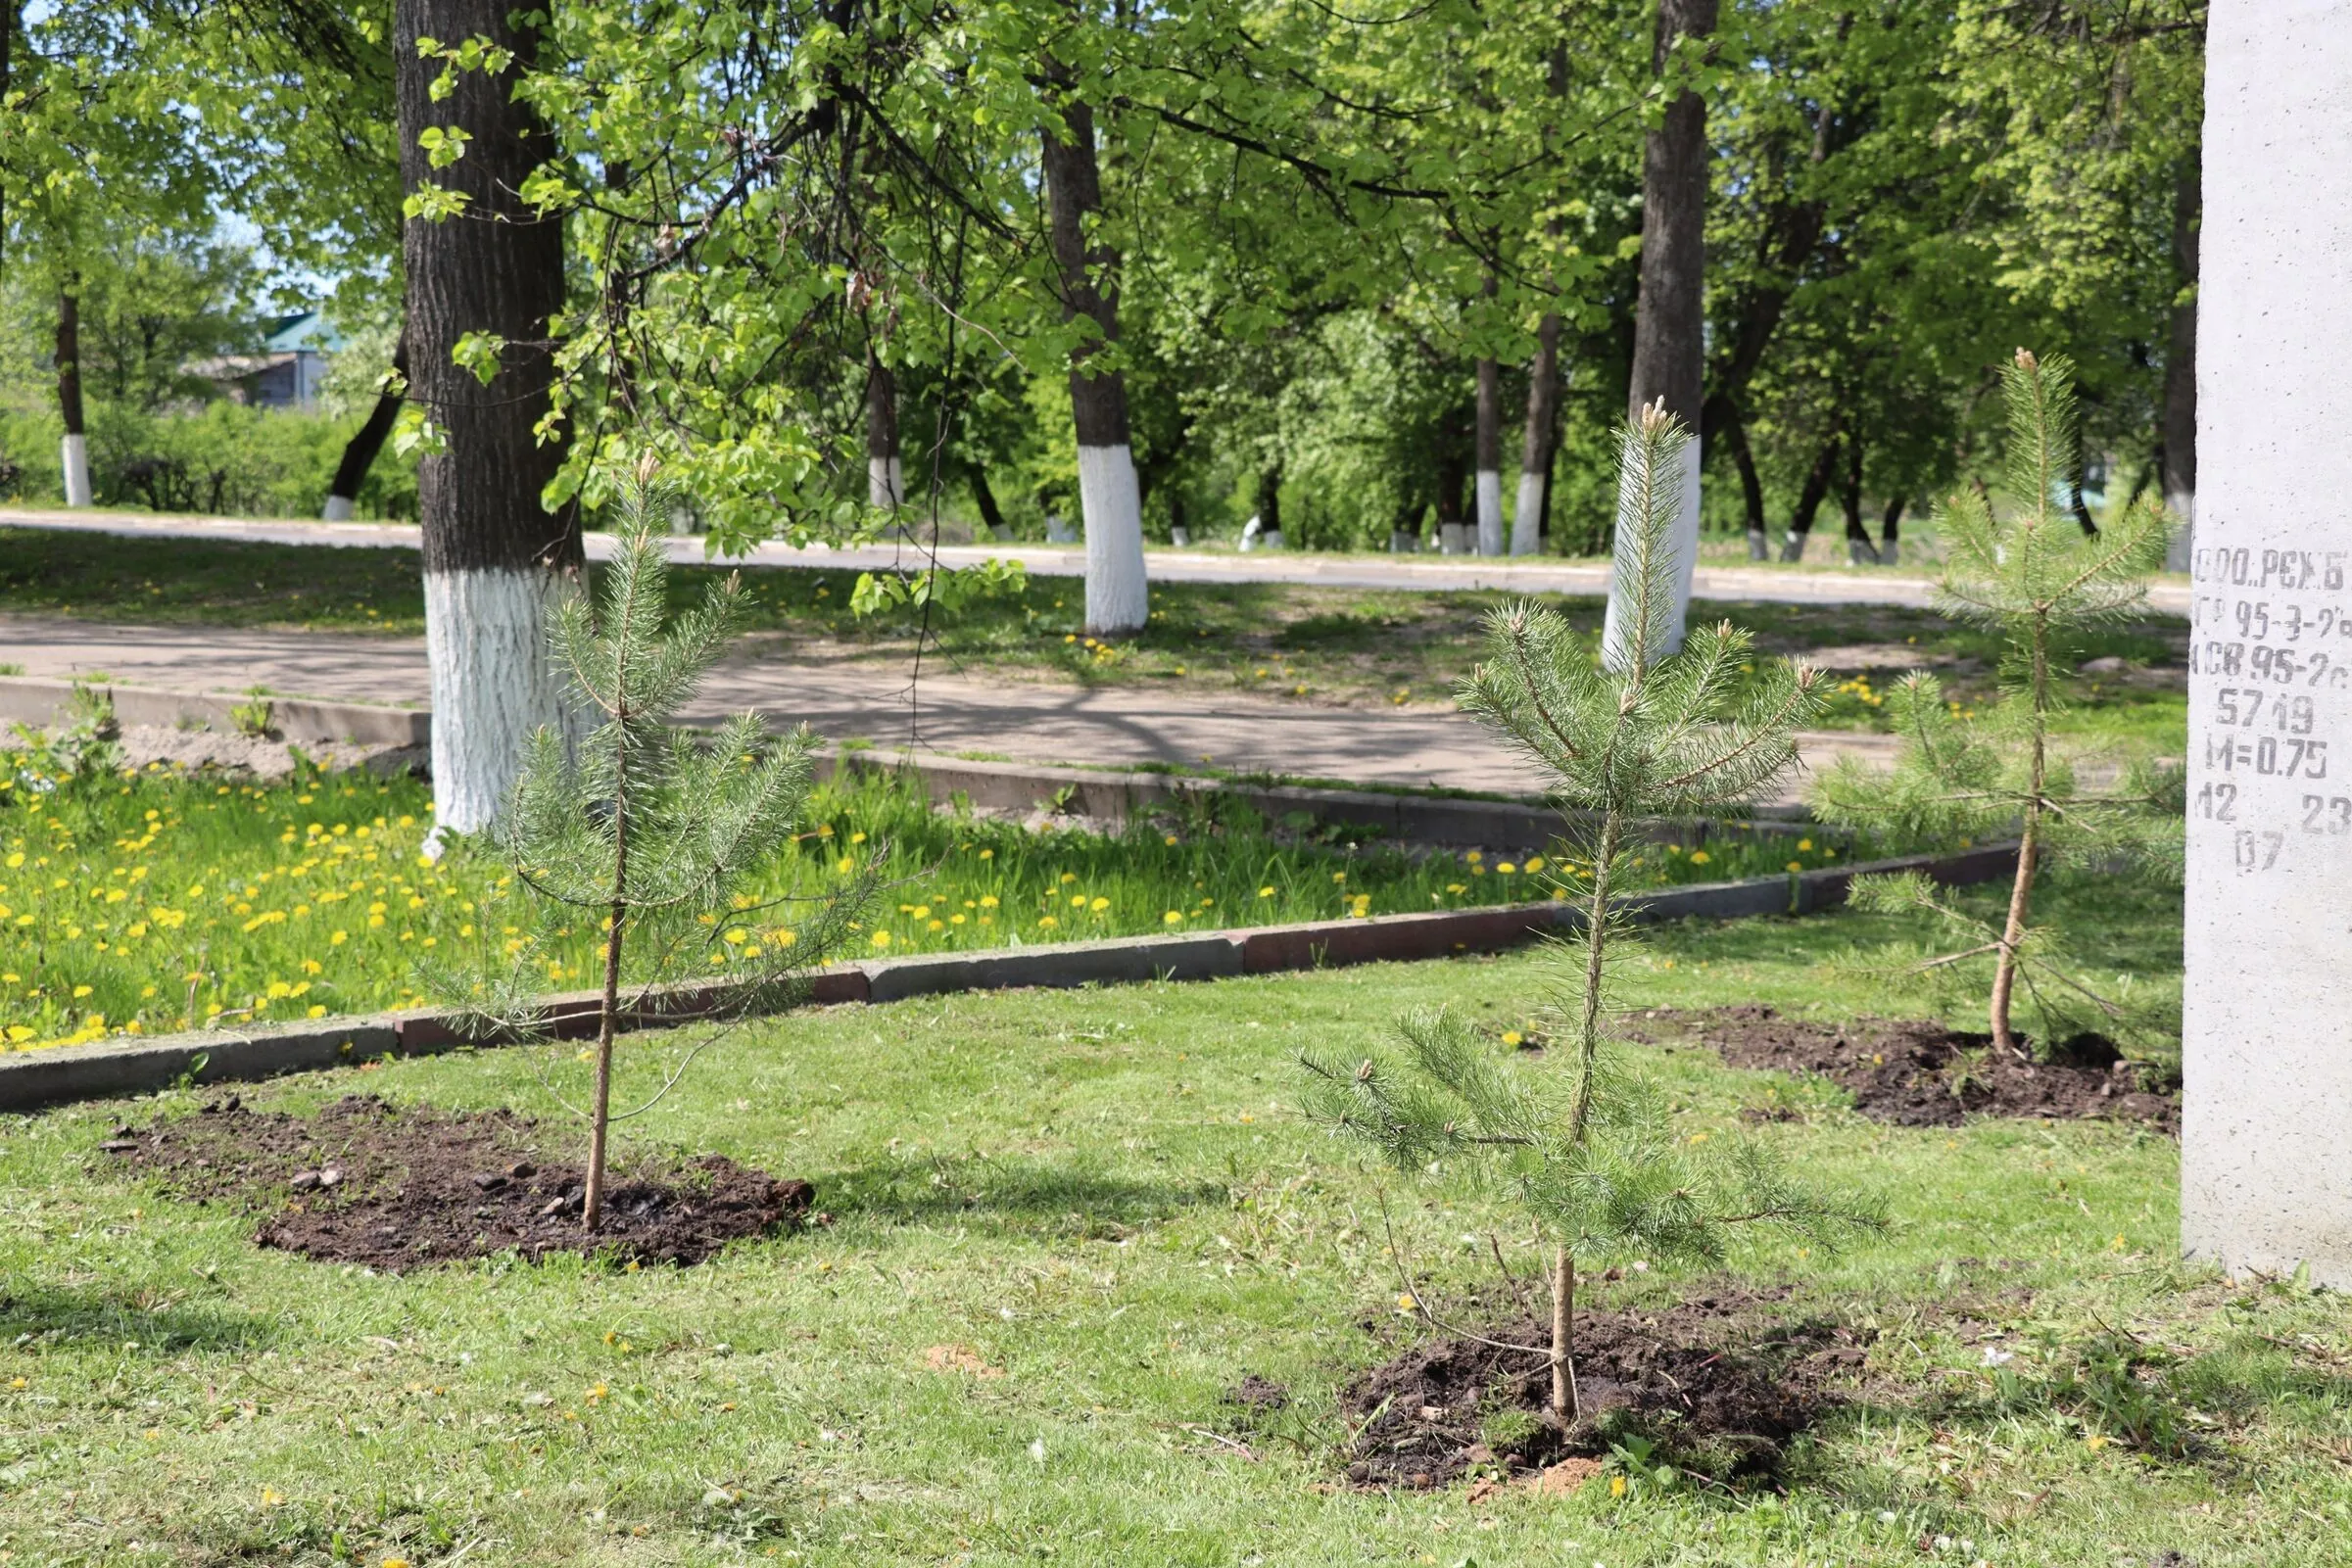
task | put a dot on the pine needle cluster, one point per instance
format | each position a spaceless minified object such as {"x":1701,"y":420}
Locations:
{"x":1588,"y":1147}
{"x":2034,"y":577}
{"x":648,"y":827}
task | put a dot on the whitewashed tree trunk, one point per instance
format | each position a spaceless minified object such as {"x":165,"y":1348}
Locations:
{"x":493,"y":682}
{"x":493,"y":554}
{"x":1614,"y":648}
{"x":1117,"y":597}
{"x":1486,"y":486}
{"x":1489,"y":487}
{"x":885,"y":483}
{"x":74,"y":452}
{"x":1669,"y":340}
{"x":885,"y":479}
{"x":1528,"y":519}
{"x":76,"y":455}
{"x":1453,"y":537}
{"x":1118,"y":594}
{"x":338,"y":509}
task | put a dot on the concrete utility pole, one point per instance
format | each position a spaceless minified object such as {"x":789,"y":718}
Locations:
{"x":2266,"y":1151}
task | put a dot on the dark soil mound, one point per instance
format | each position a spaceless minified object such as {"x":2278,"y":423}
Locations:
{"x":1718,"y":1384}
{"x":1921,"y":1074}
{"x":398,"y":1187}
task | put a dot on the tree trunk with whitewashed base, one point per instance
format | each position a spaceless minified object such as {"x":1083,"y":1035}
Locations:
{"x":494,"y":556}
{"x":1489,"y":484}
{"x":75,"y":450}
{"x":1668,"y":338}
{"x":885,"y":480}
{"x":1535,"y":445}
{"x":1118,"y":597}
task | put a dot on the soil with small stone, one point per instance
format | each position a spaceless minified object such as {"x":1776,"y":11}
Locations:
{"x":1720,"y":1383}
{"x":1916,"y":1074}
{"x":400,"y":1187}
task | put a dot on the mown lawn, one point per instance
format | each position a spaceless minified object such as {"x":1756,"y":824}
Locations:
{"x":1106,"y":1197}
{"x":1286,"y":642}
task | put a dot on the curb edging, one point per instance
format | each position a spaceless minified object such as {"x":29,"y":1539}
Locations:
{"x":35,"y":1079}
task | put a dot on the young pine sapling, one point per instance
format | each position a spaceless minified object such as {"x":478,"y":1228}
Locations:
{"x":1590,"y":1148}
{"x":2034,"y":578}
{"x":648,"y":830}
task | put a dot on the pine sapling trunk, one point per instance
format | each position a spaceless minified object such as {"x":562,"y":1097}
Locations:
{"x":2021,"y":891}
{"x":608,"y":1015}
{"x":1563,"y":1336}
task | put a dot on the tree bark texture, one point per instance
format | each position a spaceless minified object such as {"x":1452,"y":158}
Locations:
{"x":2181,"y":370}
{"x":1118,"y":597}
{"x":1669,"y":347}
{"x":360,"y":452}
{"x":492,"y":553}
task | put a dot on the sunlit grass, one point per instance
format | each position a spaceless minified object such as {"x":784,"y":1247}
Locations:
{"x":151,"y":902}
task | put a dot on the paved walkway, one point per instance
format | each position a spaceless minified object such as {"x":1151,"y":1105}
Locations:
{"x":942,"y":712}
{"x":1785,"y":585}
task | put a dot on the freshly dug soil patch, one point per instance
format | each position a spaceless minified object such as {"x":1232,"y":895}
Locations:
{"x":396,"y":1187}
{"x":1916,"y":1074}
{"x":1718,"y":1383}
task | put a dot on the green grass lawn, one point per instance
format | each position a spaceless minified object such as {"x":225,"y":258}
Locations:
{"x":150,"y":902}
{"x":1107,"y":1198}
{"x":1289,"y":642}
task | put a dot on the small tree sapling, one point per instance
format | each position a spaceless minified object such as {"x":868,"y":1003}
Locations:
{"x":1590,"y":1149}
{"x":648,"y":830}
{"x":2038,"y":580}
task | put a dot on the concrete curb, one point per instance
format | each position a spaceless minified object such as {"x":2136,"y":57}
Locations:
{"x":1417,"y":818}
{"x":1112,"y":797}
{"x":35,"y":700}
{"x":30,"y":1080}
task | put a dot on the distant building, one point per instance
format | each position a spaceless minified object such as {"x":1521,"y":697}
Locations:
{"x":287,"y":372}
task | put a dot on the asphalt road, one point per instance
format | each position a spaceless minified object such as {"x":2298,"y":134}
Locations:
{"x":1774,"y":585}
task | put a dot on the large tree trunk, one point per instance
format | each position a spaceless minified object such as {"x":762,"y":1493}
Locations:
{"x":1536,"y":440}
{"x":1118,"y":597}
{"x":1669,"y":319}
{"x":493,"y":554}
{"x":360,"y":452}
{"x":885,"y":479}
{"x":2181,"y":372}
{"x":75,"y":450}
{"x":1890,"y":541}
